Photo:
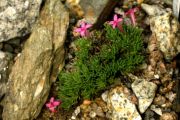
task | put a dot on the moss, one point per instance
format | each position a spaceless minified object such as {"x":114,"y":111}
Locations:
{"x":120,"y":52}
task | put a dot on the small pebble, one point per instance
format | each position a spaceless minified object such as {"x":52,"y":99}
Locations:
{"x":86,"y":102}
{"x":170,"y":96}
{"x":156,"y":109}
{"x":166,"y":78}
{"x":168,"y":87}
{"x":168,"y":104}
{"x":92,"y":114}
{"x":77,"y":111}
{"x":159,"y":100}
{"x":100,"y":112}
{"x":169,"y":116}
{"x":101,"y":104}
{"x":73,"y":117}
{"x":156,"y":76}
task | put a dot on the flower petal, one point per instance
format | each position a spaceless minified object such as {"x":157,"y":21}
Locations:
{"x":83,"y":24}
{"x":77,"y":29}
{"x":115,"y":17}
{"x":114,"y":25}
{"x":56,"y":103}
{"x":52,"y":100}
{"x":133,"y":19}
{"x":130,"y":11}
{"x":82,"y":33}
{"x":87,"y":33}
{"x":88,"y":26}
{"x":119,"y":19}
{"x":49,"y":105}
{"x":111,"y":22}
{"x":135,"y":9}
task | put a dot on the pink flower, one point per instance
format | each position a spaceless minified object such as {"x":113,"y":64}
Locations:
{"x":52,"y":104}
{"x":83,"y":30}
{"x":131,"y":12}
{"x":116,"y":21}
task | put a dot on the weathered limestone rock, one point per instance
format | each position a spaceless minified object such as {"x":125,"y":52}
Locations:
{"x":92,"y":10}
{"x":5,"y":65}
{"x":38,"y":65}
{"x":119,"y":104}
{"x":166,"y":29}
{"x":145,"y":92}
{"x":17,"y":17}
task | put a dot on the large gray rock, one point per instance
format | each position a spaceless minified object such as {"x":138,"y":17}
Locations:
{"x":17,"y":17}
{"x":38,"y":65}
{"x":5,"y":65}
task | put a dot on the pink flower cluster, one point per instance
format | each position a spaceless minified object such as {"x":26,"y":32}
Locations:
{"x":83,"y":30}
{"x":116,"y":21}
{"x":131,"y":13}
{"x":52,"y":104}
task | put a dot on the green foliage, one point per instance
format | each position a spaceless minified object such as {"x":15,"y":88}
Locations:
{"x":120,"y":52}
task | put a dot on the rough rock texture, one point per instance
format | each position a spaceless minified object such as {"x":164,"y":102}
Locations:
{"x":166,"y":29}
{"x":156,"y":109}
{"x":88,"y":110}
{"x":17,"y":17}
{"x":5,"y":66}
{"x":120,"y":104}
{"x":92,"y":9}
{"x":169,"y":116}
{"x":145,"y":92}
{"x":32,"y":74}
{"x":160,"y":73}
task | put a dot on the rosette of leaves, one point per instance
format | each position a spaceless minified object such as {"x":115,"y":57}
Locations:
{"x":119,"y":53}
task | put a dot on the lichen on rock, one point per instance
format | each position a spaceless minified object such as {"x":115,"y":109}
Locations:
{"x":166,"y":29}
{"x":17,"y":17}
{"x":119,"y":104}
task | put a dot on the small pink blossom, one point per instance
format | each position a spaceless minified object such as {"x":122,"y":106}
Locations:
{"x":131,"y":13}
{"x":52,"y":104}
{"x":115,"y":22}
{"x":83,"y":30}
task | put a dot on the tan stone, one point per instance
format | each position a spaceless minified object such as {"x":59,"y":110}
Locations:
{"x":38,"y":65}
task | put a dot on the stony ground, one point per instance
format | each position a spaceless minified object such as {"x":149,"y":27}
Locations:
{"x":164,"y":76}
{"x":153,"y":93}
